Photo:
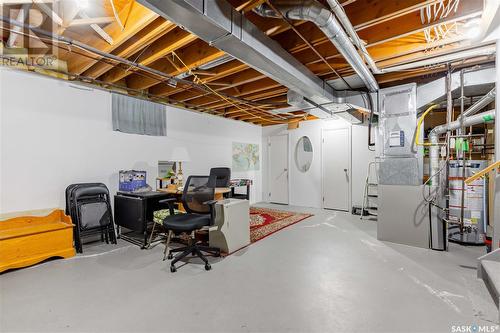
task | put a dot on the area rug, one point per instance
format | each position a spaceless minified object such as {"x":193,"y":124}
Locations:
{"x":265,"y":221}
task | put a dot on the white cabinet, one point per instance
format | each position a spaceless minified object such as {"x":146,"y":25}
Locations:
{"x":231,"y":231}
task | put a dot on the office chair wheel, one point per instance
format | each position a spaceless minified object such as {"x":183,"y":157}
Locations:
{"x":170,"y":256}
{"x":208,"y":267}
{"x":173,"y":269}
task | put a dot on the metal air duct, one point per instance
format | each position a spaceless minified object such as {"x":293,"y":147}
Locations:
{"x":220,"y":25}
{"x":480,"y":104}
{"x":346,"y":23}
{"x":313,"y":11}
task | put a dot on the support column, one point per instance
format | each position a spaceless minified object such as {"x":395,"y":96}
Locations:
{"x":496,"y":201}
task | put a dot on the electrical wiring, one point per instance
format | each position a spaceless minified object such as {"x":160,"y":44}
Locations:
{"x":198,"y":80}
{"x":428,"y":199}
{"x":87,"y":49}
{"x":370,"y":120}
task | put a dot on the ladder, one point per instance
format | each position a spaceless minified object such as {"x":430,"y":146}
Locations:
{"x":369,"y":207}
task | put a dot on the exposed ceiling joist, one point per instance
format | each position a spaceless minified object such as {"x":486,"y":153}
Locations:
{"x":21,"y":17}
{"x":91,"y":20}
{"x":141,"y":40}
{"x":193,"y":56}
{"x":104,"y":35}
{"x":138,"y":18}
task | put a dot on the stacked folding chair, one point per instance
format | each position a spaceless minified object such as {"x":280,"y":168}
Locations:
{"x":89,"y":206}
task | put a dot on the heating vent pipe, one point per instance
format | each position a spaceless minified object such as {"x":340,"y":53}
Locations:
{"x":480,"y":104}
{"x":346,"y":23}
{"x":469,"y":121}
{"x":313,"y":11}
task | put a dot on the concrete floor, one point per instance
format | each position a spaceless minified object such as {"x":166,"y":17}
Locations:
{"x":327,"y":273}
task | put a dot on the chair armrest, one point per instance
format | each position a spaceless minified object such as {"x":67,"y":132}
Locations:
{"x":170,"y":202}
{"x":211,"y":204}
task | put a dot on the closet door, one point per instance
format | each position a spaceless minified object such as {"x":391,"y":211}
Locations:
{"x":336,"y":169}
{"x":278,"y":169}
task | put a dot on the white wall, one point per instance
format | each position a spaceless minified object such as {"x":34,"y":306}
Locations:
{"x":306,"y":188}
{"x":54,"y":133}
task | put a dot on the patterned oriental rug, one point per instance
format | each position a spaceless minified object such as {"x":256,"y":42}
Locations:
{"x":264,"y":221}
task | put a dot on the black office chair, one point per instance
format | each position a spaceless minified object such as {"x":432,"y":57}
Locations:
{"x":222,"y":176}
{"x":198,"y":201}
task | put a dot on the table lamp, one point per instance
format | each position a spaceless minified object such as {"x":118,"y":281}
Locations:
{"x":180,"y":155}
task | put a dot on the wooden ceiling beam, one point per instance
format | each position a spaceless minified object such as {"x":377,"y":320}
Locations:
{"x":264,"y":93}
{"x":222,"y":71}
{"x":380,"y":11}
{"x":138,"y":42}
{"x":278,"y":98}
{"x":244,"y":77}
{"x":249,"y":88}
{"x":162,"y":47}
{"x":194,"y":55}
{"x":410,"y":25}
{"x":248,"y":5}
{"x":427,"y":74}
{"x":139,"y":18}
{"x":409,"y":57}
{"x":93,"y":20}
{"x":365,"y":14}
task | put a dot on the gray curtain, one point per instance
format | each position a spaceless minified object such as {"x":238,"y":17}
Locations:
{"x":137,"y":116}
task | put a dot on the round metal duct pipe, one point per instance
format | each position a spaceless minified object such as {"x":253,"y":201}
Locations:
{"x":313,"y":11}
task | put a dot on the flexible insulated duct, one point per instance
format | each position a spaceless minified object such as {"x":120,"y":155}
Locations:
{"x":313,"y":11}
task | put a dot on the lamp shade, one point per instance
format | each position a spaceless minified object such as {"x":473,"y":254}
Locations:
{"x":180,"y":154}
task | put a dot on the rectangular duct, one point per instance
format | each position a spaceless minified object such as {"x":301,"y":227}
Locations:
{"x":220,"y":25}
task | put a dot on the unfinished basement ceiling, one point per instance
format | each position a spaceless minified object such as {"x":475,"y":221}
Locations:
{"x":394,"y":33}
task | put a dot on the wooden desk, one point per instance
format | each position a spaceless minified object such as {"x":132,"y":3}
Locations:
{"x":219,"y":192}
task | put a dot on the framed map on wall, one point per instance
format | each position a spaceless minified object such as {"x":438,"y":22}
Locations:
{"x":245,"y":156}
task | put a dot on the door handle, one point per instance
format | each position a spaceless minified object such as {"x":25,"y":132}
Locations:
{"x":281,"y":174}
{"x":345,"y":170}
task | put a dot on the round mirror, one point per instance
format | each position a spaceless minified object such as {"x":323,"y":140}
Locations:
{"x":304,"y":154}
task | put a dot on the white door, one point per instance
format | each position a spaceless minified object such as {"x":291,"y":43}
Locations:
{"x":278,"y":169}
{"x":336,"y":169}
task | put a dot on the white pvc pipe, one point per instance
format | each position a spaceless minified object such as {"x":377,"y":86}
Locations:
{"x":482,"y":51}
{"x":480,"y":104}
{"x":496,"y":199}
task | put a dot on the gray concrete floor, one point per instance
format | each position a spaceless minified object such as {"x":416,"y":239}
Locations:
{"x":327,"y":273}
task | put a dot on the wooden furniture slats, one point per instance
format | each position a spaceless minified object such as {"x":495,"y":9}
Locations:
{"x":28,"y":240}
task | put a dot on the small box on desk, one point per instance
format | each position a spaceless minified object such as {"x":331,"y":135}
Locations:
{"x":131,"y":180}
